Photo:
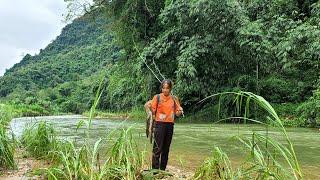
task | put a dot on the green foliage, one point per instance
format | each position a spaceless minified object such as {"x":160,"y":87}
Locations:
{"x":267,"y":157}
{"x":137,"y":113}
{"x":289,"y":115}
{"x":124,"y":160}
{"x":135,"y":21}
{"x":73,"y":163}
{"x":39,"y":139}
{"x":195,"y":38}
{"x":30,"y":110}
{"x":216,"y":167}
{"x":126,"y":87}
{"x":310,"y":110}
{"x":279,"y":90}
{"x":205,"y":51}
{"x":7,"y":146}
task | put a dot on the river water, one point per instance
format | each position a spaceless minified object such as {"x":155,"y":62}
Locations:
{"x":192,"y":143}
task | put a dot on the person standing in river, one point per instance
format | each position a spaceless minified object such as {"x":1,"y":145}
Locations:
{"x":165,"y":107}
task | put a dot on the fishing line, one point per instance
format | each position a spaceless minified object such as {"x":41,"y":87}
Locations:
{"x":155,"y":65}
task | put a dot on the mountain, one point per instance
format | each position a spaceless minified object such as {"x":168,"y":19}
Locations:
{"x":80,"y":52}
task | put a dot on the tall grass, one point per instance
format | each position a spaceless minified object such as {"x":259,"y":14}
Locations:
{"x":267,"y":157}
{"x":216,"y":167}
{"x":124,"y":160}
{"x":74,"y":163}
{"x":7,"y":146}
{"x":39,"y":139}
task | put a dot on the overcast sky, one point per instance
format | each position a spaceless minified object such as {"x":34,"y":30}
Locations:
{"x":26,"y":26}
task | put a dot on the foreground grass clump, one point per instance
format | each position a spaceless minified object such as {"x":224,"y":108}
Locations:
{"x":39,"y":139}
{"x":7,"y":146}
{"x":267,"y":157}
{"x":260,"y":163}
{"x":216,"y":167}
{"x":124,"y":160}
{"x":74,"y":163}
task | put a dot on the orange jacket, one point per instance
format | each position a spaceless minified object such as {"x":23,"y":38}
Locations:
{"x":166,"y":109}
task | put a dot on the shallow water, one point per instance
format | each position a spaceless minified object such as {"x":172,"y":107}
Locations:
{"x":192,"y":143}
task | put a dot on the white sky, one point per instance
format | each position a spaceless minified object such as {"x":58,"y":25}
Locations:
{"x":26,"y":26}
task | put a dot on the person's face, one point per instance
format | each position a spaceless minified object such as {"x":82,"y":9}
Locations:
{"x":166,"y":89}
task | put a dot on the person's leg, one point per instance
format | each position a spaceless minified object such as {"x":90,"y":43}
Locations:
{"x":166,"y":145}
{"x":157,"y":144}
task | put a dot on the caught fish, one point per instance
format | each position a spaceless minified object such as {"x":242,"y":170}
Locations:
{"x":149,"y":121}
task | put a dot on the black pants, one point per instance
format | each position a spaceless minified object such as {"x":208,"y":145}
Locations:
{"x":162,"y":139}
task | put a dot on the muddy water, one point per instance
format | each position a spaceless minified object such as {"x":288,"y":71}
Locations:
{"x":192,"y":143}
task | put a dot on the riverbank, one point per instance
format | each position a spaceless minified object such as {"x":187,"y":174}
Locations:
{"x":23,"y":110}
{"x":27,"y":168}
{"x":207,"y":115}
{"x":136,"y":114}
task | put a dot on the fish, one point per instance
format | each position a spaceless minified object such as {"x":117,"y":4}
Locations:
{"x":149,"y":121}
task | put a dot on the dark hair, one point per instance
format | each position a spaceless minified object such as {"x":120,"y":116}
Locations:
{"x":166,"y":81}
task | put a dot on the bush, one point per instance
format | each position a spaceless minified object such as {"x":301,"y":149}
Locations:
{"x":206,"y":114}
{"x":310,"y":110}
{"x":288,"y":114}
{"x":278,"y":90}
{"x":72,"y":106}
{"x":29,"y":110}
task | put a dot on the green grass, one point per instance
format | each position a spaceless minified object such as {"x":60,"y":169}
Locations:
{"x":72,"y":162}
{"x":7,"y":144}
{"x":267,"y":158}
{"x":216,"y":167}
{"x":137,"y":113}
{"x":205,"y":115}
{"x":124,"y":160}
{"x":39,"y":139}
{"x":20,"y":110}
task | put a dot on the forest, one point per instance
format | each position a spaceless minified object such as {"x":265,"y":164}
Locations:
{"x":205,"y":47}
